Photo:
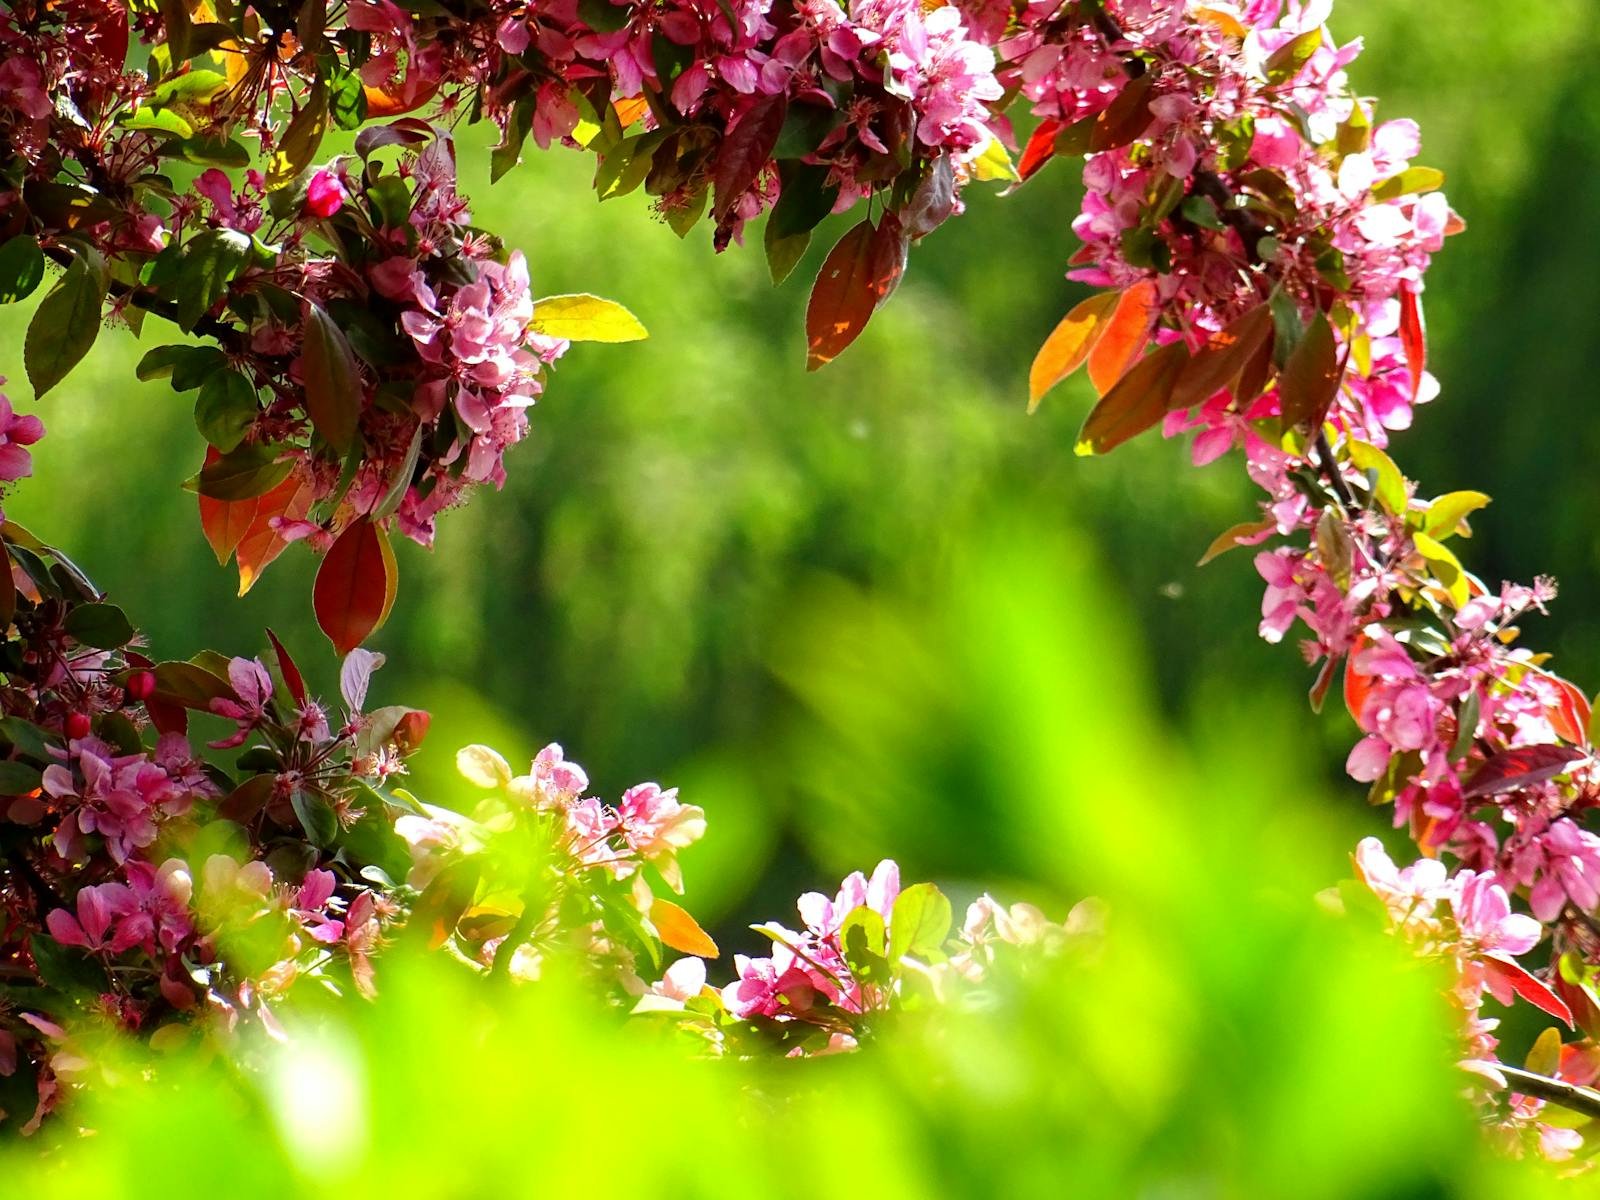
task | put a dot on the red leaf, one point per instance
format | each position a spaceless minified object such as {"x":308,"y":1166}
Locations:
{"x":857,"y":276}
{"x":411,"y":729}
{"x":332,"y":383}
{"x":1041,"y":148}
{"x":1357,"y":687}
{"x":1512,"y":769}
{"x":1568,"y":716}
{"x":746,"y":150}
{"x":354,"y":587}
{"x":1413,"y":337}
{"x":291,"y":674}
{"x":1124,"y":336}
{"x":1137,"y":402}
{"x":1527,"y":986}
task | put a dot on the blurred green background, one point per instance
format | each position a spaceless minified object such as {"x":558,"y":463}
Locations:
{"x":661,"y":575}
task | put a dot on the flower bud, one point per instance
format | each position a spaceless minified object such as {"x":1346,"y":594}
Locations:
{"x":324,"y":196}
{"x":141,"y":686}
{"x":78,"y":725}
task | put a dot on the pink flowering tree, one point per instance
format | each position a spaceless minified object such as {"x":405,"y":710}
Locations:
{"x":362,"y":357}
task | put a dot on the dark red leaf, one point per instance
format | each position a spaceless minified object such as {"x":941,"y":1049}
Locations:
{"x":353,"y":589}
{"x":746,"y":150}
{"x":1512,"y":769}
{"x":1310,"y":378}
{"x":1224,"y":356}
{"x":857,"y":276}
{"x":1138,"y":401}
{"x":332,"y":383}
{"x":292,"y":678}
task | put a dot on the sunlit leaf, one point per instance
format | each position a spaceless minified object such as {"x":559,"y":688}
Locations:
{"x":585,"y":318}
{"x":1136,"y":403}
{"x":1124,"y":336}
{"x":678,"y":929}
{"x":1069,"y":344}
{"x":354,"y":587}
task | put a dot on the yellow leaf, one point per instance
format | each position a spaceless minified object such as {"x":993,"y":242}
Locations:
{"x":1068,"y":345}
{"x":585,"y":318}
{"x":630,"y":110}
{"x":1447,"y":568}
{"x":995,"y":163}
{"x":1446,"y":514}
{"x":1391,"y":485}
{"x":681,"y":931}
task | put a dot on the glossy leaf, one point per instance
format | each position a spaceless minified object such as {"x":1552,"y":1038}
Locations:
{"x":66,"y":323}
{"x":1407,"y":182}
{"x":1069,"y":344}
{"x":1041,"y":148}
{"x":1526,"y":985}
{"x":332,"y":383}
{"x":354,"y":586}
{"x":1389,"y":485}
{"x":292,"y":679}
{"x":1136,"y":403}
{"x":251,"y":470}
{"x":857,"y":276}
{"x":298,"y":146}
{"x":585,"y":318}
{"x":1123,"y":339}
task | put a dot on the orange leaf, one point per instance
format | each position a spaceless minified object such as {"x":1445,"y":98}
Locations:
{"x":355,"y":586}
{"x":225,"y":522}
{"x":1068,"y":345}
{"x":1568,"y":716}
{"x":261,"y":543}
{"x":1221,"y":360}
{"x":681,"y":931}
{"x":1124,"y":336}
{"x":408,"y":96}
{"x":857,"y":276}
{"x":1138,"y":401}
{"x":630,"y":110}
{"x":1357,"y":687}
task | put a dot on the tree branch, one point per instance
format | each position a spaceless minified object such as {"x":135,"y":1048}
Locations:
{"x":139,"y":298}
{"x":1556,"y":1091}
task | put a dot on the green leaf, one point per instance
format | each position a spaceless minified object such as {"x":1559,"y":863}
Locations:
{"x":213,"y":150}
{"x":333,"y":385}
{"x":251,"y":470}
{"x":226,"y":409}
{"x":300,"y":141}
{"x":1412,"y":179}
{"x":210,"y":262}
{"x":18,"y":778}
{"x":919,"y":923}
{"x":64,"y":967}
{"x":66,"y":322}
{"x":103,"y":626}
{"x":21,"y":268}
{"x":861,"y":937}
{"x":585,"y":318}
{"x":316,"y":817}
{"x":26,"y":737}
{"x":1287,"y":59}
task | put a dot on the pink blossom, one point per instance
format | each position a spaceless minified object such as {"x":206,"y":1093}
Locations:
{"x":16,"y":432}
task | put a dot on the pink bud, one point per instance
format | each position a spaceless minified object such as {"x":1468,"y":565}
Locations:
{"x":141,"y":685}
{"x":78,"y":725}
{"x":324,"y":196}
